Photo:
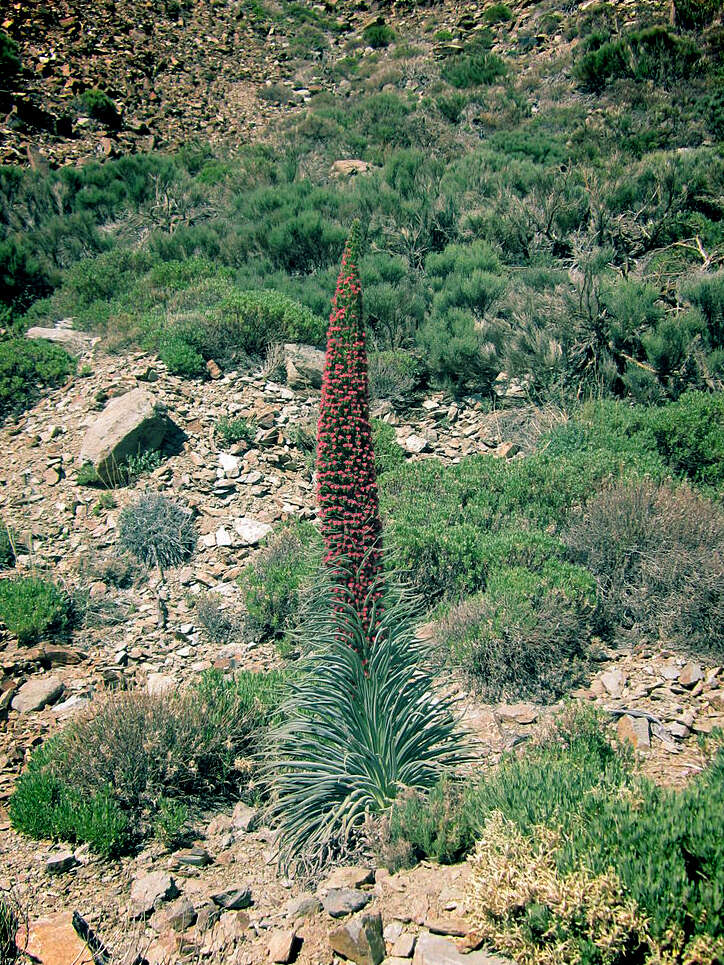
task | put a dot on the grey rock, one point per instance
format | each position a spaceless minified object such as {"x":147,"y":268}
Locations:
{"x":149,"y":891}
{"x":195,"y":857}
{"x":304,"y":365}
{"x":415,"y":444}
{"x":74,"y":342}
{"x":339,"y":902}
{"x":404,"y":947}
{"x":614,"y":681}
{"x":303,"y":906}
{"x":349,"y":877}
{"x":56,"y":864}
{"x":36,"y":693}
{"x":435,"y":950}
{"x":251,"y":531}
{"x":360,"y":939}
{"x":691,"y":674}
{"x":243,"y":817}
{"x":180,"y":914}
{"x":283,"y":946}
{"x":234,"y":899}
{"x":130,"y":423}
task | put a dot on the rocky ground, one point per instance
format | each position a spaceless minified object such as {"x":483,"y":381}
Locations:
{"x":218,"y":72}
{"x":224,"y":899}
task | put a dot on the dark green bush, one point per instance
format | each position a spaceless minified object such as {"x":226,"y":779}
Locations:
{"x":181,"y":358}
{"x":26,"y":367}
{"x":157,"y":531}
{"x":96,"y":103}
{"x":689,"y":434}
{"x":652,"y":54}
{"x":378,"y":35}
{"x":101,"y":780}
{"x":10,"y":62}
{"x":32,"y":607}
{"x":473,"y":69}
{"x":281,"y":579}
{"x":696,"y":14}
{"x":7,"y":551}
{"x":497,"y":13}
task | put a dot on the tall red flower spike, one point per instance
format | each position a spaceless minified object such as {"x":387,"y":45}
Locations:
{"x":346,"y":479}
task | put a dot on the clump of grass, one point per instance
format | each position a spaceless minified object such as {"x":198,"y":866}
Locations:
{"x":169,"y":824}
{"x":32,"y":607}
{"x":231,"y":431}
{"x":157,"y":531}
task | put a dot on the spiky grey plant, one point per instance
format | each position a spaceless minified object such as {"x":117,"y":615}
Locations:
{"x":362,"y":722}
{"x":157,"y":530}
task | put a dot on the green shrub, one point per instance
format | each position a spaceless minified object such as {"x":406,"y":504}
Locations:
{"x":102,"y":778}
{"x":497,"y":13}
{"x":652,"y":54}
{"x":31,"y":607}
{"x":389,"y":454}
{"x":689,"y":435}
{"x":280,"y":580}
{"x":27,"y":366}
{"x":229,"y":432}
{"x":656,"y":554}
{"x":96,"y":103}
{"x":355,"y":732}
{"x":378,"y":35}
{"x":157,"y":531}
{"x":527,"y":635}
{"x":169,"y":824}
{"x":181,"y":358}
{"x":473,"y":69}
{"x":10,"y":62}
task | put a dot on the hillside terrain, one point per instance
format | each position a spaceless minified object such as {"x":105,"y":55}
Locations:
{"x":540,"y":196}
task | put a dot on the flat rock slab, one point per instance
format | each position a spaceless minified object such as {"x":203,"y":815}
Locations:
{"x":360,"y":939}
{"x":434,"y":950}
{"x":234,"y":899}
{"x":74,"y":342}
{"x":304,"y":365}
{"x":349,"y":877}
{"x":53,"y":941}
{"x":59,"y":862}
{"x":635,"y":730}
{"x":36,"y":693}
{"x":131,"y":423}
{"x":303,"y":906}
{"x":339,"y":902}
{"x":283,"y":946}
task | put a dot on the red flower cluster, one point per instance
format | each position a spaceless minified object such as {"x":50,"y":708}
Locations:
{"x":346,"y":480}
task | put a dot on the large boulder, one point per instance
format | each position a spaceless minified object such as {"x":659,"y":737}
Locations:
{"x":129,"y":424}
{"x":304,"y":365}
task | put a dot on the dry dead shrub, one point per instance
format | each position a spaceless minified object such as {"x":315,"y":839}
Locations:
{"x":657,"y":553}
{"x":219,"y":624}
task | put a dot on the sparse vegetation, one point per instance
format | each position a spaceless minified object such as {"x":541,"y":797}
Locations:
{"x":229,"y":432}
{"x":157,"y":531}
{"x":219,"y":624}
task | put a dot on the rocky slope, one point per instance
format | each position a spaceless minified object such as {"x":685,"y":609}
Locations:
{"x":223,"y":900}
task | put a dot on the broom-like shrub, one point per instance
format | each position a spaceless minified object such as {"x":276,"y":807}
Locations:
{"x":346,"y":481}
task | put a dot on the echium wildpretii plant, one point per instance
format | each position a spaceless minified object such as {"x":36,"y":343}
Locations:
{"x":346,"y":482}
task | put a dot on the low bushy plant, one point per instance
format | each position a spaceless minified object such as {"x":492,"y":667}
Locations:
{"x":655,"y":53}
{"x":689,"y":435}
{"x":26,"y":367}
{"x":527,"y":635}
{"x":219,"y":624}
{"x":473,"y":69}
{"x":389,"y":454}
{"x":10,"y":62}
{"x":281,"y":579}
{"x":32,"y":607}
{"x":394,"y":375}
{"x":169,"y":824}
{"x":656,"y":553}
{"x":157,"y":531}
{"x":96,"y":103}
{"x":102,"y":778}
{"x":229,"y":432}
{"x":378,"y":35}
